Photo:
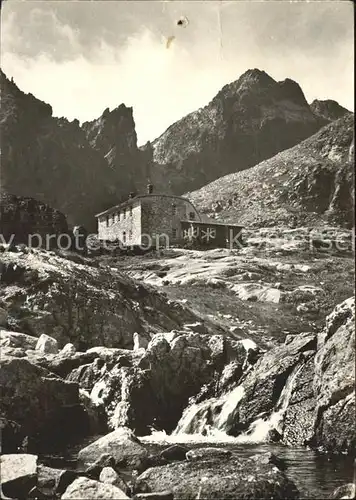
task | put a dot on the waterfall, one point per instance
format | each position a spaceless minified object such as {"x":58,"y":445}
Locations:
{"x":208,"y":421}
{"x":229,"y":406}
{"x":259,"y":430}
{"x":210,"y":418}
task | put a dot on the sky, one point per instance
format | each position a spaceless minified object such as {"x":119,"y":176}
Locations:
{"x":85,"y":56}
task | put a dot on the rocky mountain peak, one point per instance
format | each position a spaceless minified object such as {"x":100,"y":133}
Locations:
{"x":248,"y":121}
{"x":112,"y":128}
{"x":16,"y":105}
{"x":256,"y":77}
{"x":328,"y":109}
{"x":55,"y":161}
{"x":291,"y":90}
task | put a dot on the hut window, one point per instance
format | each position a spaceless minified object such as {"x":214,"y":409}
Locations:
{"x":191,"y":215}
{"x":124,"y":237}
{"x":174,"y":209}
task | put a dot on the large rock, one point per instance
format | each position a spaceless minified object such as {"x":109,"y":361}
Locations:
{"x":110,"y":476}
{"x":16,"y":339}
{"x":68,"y":350}
{"x":47,"y":344}
{"x":334,"y":380}
{"x":174,"y":452}
{"x":18,"y":474}
{"x":223,"y":478}
{"x":52,"y":482}
{"x":45,"y":406}
{"x":84,"y":488}
{"x":121,"y":444}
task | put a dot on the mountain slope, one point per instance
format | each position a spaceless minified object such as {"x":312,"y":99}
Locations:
{"x":248,"y":121}
{"x":328,"y":109}
{"x":307,"y":184}
{"x":51,"y":159}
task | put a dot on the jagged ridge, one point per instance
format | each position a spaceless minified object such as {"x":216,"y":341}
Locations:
{"x":248,"y":121}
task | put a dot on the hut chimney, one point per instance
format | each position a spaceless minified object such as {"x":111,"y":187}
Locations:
{"x":131,"y":195}
{"x":149,"y":188}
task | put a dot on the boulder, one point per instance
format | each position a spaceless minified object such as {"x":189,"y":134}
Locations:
{"x":52,"y":482}
{"x":47,"y":344}
{"x":221,"y":478}
{"x":18,"y":474}
{"x":93,"y":471}
{"x":65,"y":365}
{"x":37,"y":400}
{"x":255,"y":292}
{"x":110,"y":476}
{"x":174,"y":452}
{"x":68,"y":350}
{"x":121,"y":444}
{"x":84,"y":488}
{"x":207,"y":454}
{"x":16,"y":339}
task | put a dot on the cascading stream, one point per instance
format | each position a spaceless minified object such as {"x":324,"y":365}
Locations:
{"x":212,"y":417}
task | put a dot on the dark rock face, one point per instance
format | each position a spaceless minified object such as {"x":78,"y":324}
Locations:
{"x":309,"y":184}
{"x":248,"y":121}
{"x":39,"y":402}
{"x":121,"y":444}
{"x":334,"y":380}
{"x":328,"y":109}
{"x":222,"y":478}
{"x":51,"y":160}
{"x":21,"y":217}
{"x":53,"y":482}
{"x":113,"y":136}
